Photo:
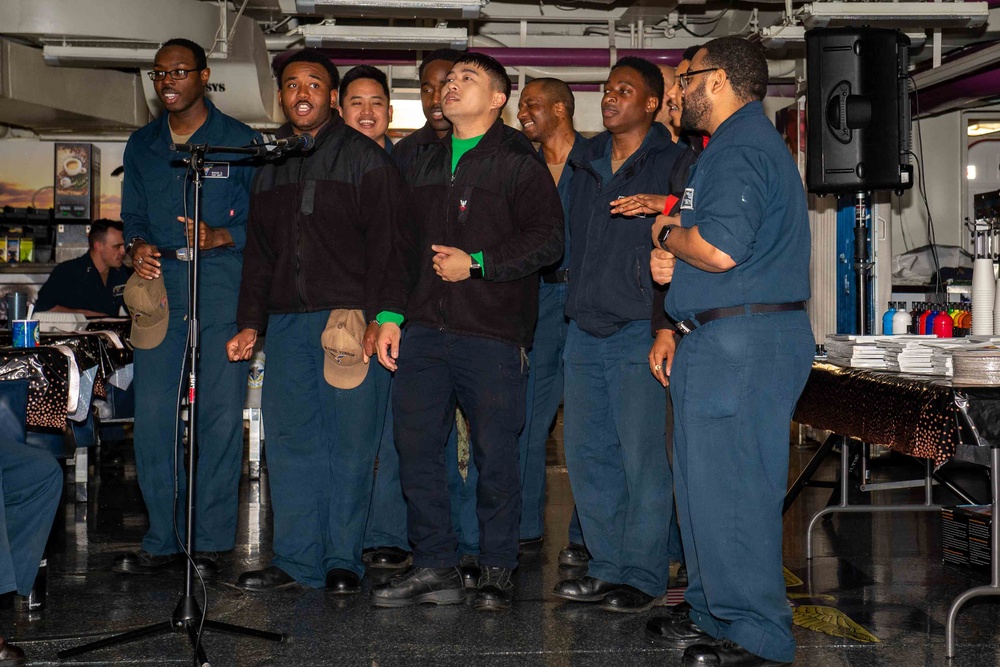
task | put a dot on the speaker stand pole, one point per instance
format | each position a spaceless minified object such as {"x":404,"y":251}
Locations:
{"x":862,"y":263}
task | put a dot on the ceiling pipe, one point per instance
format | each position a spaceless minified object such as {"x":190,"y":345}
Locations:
{"x":977,"y":89}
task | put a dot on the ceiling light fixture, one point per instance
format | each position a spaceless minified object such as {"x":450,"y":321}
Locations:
{"x":383,"y":37}
{"x":467,"y":9}
{"x":780,"y":36}
{"x":917,"y":15}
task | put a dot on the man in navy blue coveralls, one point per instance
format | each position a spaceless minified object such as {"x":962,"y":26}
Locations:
{"x":30,"y":490}
{"x":615,"y":413}
{"x":545,"y":111}
{"x":156,"y":199}
{"x":742,"y":242}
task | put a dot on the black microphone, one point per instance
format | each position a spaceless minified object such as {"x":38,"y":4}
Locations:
{"x":298,"y":142}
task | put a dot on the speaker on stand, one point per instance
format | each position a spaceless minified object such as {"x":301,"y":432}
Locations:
{"x":858,"y":124}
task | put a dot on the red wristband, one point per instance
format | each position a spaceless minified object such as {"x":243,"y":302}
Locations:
{"x":669,"y":204}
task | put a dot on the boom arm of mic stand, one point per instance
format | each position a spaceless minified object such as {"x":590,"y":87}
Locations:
{"x":256,"y":150}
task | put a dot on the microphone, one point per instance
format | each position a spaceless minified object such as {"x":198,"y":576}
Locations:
{"x":297,"y":142}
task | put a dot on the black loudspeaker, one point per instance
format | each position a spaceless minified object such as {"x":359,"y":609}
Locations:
{"x":858,"y":110}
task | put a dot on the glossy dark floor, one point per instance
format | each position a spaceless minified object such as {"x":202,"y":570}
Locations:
{"x":883,"y":571}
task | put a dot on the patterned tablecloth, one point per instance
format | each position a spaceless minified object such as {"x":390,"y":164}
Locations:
{"x":917,"y":415}
{"x":66,"y":372}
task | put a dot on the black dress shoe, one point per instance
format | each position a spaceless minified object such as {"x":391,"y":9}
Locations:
{"x":574,"y":555}
{"x":679,"y":611}
{"x":389,"y":558}
{"x":584,"y":589}
{"x":630,"y":600}
{"x":207,"y":564}
{"x":676,"y":632}
{"x":10,"y":655}
{"x":421,"y":584}
{"x":725,"y":653}
{"x":342,"y":582}
{"x":271,"y":578}
{"x":469,"y":567}
{"x":496,"y":589}
{"x":143,"y":562}
{"x":531,"y":547}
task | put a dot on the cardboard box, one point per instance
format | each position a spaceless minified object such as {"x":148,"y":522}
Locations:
{"x":27,"y":250}
{"x":966,"y":535}
{"x":13,"y":249}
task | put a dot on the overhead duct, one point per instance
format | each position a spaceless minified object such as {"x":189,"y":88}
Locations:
{"x":134,"y":21}
{"x":79,"y":35}
{"x":72,"y":100}
{"x":970,"y":79}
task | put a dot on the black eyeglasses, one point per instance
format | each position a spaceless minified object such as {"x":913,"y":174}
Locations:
{"x":686,"y":76}
{"x":175,"y":74}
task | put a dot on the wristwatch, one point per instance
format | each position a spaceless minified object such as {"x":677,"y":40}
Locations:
{"x":476,"y":270}
{"x":661,"y":239}
{"x":132,"y":243}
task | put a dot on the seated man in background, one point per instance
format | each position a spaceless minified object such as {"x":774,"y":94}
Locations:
{"x":31,"y":487}
{"x":93,"y":283}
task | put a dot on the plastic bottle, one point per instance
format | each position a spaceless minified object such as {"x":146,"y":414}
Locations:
{"x":926,"y":315}
{"x":944,"y":327}
{"x":887,"y":319}
{"x":901,"y":320}
{"x":914,"y":318}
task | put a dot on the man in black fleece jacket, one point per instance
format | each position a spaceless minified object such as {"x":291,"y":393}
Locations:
{"x":464,"y":275}
{"x":318,"y":242}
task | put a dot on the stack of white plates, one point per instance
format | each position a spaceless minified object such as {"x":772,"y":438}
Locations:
{"x":863,"y":351}
{"x":984,"y":290}
{"x":908,"y":356}
{"x":977,"y":367}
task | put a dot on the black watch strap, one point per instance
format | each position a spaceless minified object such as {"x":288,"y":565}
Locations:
{"x":133,"y":242}
{"x":661,"y":239}
{"x":476,"y":270}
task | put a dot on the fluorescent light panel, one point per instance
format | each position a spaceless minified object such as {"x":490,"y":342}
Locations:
{"x":468,"y":9}
{"x":777,"y":36}
{"x":383,"y":37}
{"x":919,"y":15}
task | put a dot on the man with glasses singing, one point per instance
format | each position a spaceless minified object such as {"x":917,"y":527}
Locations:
{"x":157,"y":209}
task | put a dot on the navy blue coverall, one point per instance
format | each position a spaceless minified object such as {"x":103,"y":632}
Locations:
{"x":156,"y":191}
{"x":735,"y":381}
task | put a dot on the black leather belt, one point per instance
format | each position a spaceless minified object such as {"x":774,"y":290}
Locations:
{"x":182,"y":254}
{"x":704,"y":317}
{"x":555,"y":277}
{"x":186,"y":254}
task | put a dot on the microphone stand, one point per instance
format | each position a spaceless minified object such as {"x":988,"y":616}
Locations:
{"x":187,"y":615}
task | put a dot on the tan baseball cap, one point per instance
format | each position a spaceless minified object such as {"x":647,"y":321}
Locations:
{"x":344,"y":366}
{"x":146,"y":301}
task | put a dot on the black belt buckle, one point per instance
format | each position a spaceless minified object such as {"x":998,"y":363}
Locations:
{"x":686,"y":327}
{"x":180,"y":254}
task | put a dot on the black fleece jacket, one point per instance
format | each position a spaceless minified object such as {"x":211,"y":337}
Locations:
{"x":501,"y":201}
{"x":320,"y":228}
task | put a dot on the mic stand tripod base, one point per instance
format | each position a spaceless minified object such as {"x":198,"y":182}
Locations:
{"x":186,"y":619}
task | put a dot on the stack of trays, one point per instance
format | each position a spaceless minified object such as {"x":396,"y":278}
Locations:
{"x":979,"y":367}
